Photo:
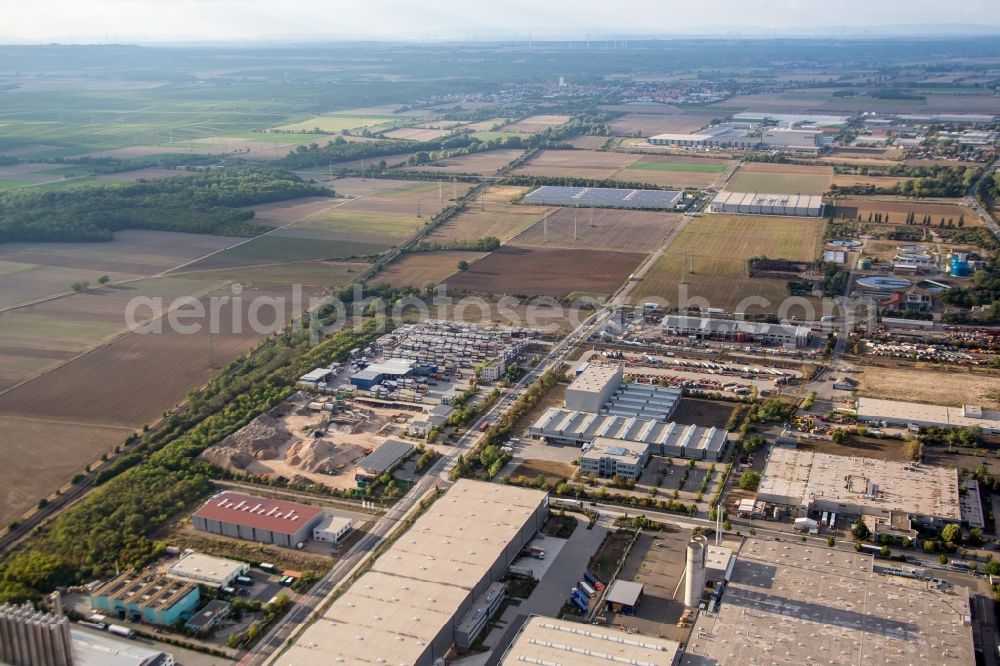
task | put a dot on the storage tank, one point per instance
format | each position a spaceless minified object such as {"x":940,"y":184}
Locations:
{"x":864,"y":264}
{"x":960,"y":265}
{"x":694,"y":580}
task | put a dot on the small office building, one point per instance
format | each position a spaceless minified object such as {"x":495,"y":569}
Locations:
{"x":333,"y":529}
{"x":207,"y":570}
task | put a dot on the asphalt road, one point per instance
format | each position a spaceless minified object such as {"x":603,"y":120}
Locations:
{"x":307,"y":603}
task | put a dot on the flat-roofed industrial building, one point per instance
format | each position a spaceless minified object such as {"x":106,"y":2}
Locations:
{"x":146,"y":597}
{"x":543,"y":640}
{"x":279,"y":522}
{"x":850,"y":485}
{"x":408,"y":607}
{"x":756,"y":203}
{"x":96,"y":649}
{"x":898,"y":412}
{"x":594,"y":387}
{"x":389,"y":453}
{"x":792,"y":603}
{"x":567,"y":426}
{"x":720,"y":136}
{"x":207,"y":569}
{"x":707,"y":328}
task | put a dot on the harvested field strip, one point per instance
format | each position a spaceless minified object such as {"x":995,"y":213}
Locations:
{"x":709,"y":258}
{"x":177,"y":361}
{"x":546,"y":271}
{"x":600,"y":229}
{"x":423,"y":268}
{"x":492,"y":215}
{"x":678,"y":166}
{"x":932,"y":386}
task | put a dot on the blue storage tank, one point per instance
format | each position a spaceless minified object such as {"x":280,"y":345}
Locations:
{"x":959,"y":266}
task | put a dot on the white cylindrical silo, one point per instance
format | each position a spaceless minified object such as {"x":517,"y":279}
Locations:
{"x":694,"y":583}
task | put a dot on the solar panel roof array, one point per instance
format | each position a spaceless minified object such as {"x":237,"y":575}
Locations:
{"x":604,"y":197}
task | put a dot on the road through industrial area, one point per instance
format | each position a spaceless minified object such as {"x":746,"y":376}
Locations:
{"x":317,"y":597}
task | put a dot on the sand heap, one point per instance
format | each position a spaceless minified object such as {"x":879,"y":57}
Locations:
{"x":264,"y":438}
{"x":318,"y":455}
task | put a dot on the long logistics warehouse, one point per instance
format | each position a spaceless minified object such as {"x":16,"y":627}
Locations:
{"x":754,"y":203}
{"x":409,"y":607}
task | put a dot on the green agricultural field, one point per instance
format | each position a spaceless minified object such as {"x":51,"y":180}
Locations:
{"x":49,"y":123}
{"x":679,"y":166}
{"x":8,"y":184}
{"x":709,"y":259}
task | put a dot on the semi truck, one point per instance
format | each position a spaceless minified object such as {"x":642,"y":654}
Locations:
{"x":583,"y":587}
{"x":119,"y":630}
{"x":592,"y":581}
{"x":533,"y":551}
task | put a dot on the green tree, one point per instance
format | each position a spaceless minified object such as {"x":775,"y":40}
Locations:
{"x":992,"y":568}
{"x":838,"y":436}
{"x":860,"y":531}
{"x":754,"y":444}
{"x":749,"y":480}
{"x":103,"y":279}
{"x":463,"y":265}
{"x":950,"y":533}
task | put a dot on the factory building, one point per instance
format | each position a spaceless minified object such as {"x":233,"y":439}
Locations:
{"x":95,"y":649}
{"x":32,"y":638}
{"x":608,"y":458}
{"x":375,"y":373}
{"x":897,"y":412}
{"x":594,"y":387}
{"x":796,"y":140}
{"x":719,"y":136}
{"x":332,"y":529}
{"x":209,"y":617}
{"x":543,"y":640}
{"x":705,"y":328}
{"x":277,"y":522}
{"x":815,"y":483}
{"x":755,"y":203}
{"x":207,"y":570}
{"x":408,"y":607}
{"x":664,"y":438}
{"x":146,"y":597}
{"x":390,"y":453}
{"x":600,"y":388}
{"x":796,"y":603}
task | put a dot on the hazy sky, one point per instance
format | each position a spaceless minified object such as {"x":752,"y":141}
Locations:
{"x":409,"y":19}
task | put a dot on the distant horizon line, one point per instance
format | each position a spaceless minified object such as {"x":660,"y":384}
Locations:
{"x":493,"y":36}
